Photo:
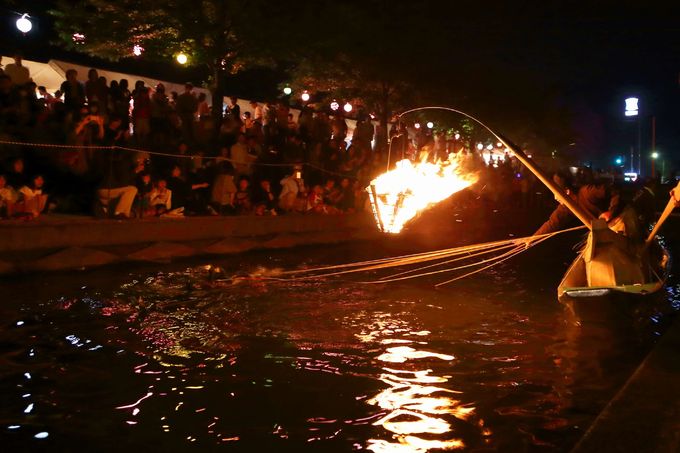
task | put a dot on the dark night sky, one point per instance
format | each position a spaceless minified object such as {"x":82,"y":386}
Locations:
{"x":521,"y":56}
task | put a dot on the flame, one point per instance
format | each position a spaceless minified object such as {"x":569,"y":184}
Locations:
{"x":399,"y":195}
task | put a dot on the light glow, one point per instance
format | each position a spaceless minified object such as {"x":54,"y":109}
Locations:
{"x":24,"y":24}
{"x":631,"y":107}
{"x":399,"y":195}
{"x":287,"y":91}
{"x":480,"y":146}
{"x":655,"y":155}
{"x":137,"y":50}
{"x":347,"y":107}
{"x":335,"y":106}
{"x":305,"y":96}
{"x":182,"y":59}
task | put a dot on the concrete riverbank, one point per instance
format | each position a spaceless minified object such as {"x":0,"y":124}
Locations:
{"x":53,"y":243}
{"x":644,"y":416}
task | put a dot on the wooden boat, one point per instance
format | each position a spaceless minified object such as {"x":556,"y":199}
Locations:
{"x":575,"y":282}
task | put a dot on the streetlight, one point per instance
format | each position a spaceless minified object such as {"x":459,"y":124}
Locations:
{"x":618,"y":160}
{"x":287,"y":91}
{"x":480,"y":146}
{"x":182,"y":58}
{"x":24,"y":24}
{"x":304,"y":96}
{"x":655,"y":156}
{"x":430,"y":124}
{"x":347,"y":107}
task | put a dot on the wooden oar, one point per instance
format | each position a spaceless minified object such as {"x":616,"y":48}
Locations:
{"x":672,"y":204}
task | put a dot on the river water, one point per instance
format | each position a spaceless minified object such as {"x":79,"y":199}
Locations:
{"x":169,"y":358}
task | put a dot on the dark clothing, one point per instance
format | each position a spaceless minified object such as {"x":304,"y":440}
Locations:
{"x":74,"y":95}
{"x":181,"y":192}
{"x":116,"y":169}
{"x":260,"y":196}
{"x":16,"y":180}
{"x":591,"y":198}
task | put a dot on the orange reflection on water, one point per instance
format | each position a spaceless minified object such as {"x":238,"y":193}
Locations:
{"x":417,"y":408}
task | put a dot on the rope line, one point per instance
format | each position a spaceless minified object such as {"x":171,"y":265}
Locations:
{"x":507,"y":248}
{"x":180,"y":156}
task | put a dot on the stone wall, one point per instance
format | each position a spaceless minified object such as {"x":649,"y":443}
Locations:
{"x":49,"y":244}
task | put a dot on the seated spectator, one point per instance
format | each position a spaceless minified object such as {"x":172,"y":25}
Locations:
{"x":346,"y":201}
{"x":331,"y":194}
{"x":293,"y":195}
{"x":160,"y":198}
{"x":32,"y":200}
{"x":315,"y":202}
{"x":117,"y":183}
{"x":184,"y":193}
{"x":16,"y":177}
{"x":224,"y":188}
{"x":8,"y":197}
{"x":144,"y":188}
{"x":242,"y":200}
{"x":263,"y":197}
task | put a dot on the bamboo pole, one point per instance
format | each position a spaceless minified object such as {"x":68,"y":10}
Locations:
{"x":561,"y":196}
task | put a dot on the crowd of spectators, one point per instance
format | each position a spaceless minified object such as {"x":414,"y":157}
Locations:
{"x":139,"y":151}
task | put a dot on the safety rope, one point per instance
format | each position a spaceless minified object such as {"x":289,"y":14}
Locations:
{"x":174,"y":155}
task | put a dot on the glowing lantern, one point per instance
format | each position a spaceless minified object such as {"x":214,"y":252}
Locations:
{"x":182,"y":59}
{"x":456,"y":137}
{"x":347,"y":107}
{"x":287,"y":91}
{"x":417,"y":125}
{"x":489,"y":147}
{"x":24,"y":24}
{"x":137,"y":50}
{"x":335,"y":106}
{"x":430,"y":125}
{"x":305,"y":96}
{"x":480,"y":146}
{"x":631,"y":107}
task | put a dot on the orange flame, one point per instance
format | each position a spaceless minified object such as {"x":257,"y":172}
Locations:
{"x":398,"y":195}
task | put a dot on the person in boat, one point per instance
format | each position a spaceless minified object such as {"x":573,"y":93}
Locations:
{"x":599,"y":198}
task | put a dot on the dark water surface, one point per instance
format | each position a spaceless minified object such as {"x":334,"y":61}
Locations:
{"x":166,"y":359}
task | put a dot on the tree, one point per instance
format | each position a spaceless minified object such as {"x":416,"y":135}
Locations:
{"x":360,"y":53}
{"x":221,"y":35}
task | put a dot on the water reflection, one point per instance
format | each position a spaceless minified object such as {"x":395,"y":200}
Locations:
{"x":417,"y":404}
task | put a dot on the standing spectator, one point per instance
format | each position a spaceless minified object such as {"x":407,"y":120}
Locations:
{"x":19,"y":73}
{"x":233,"y":108}
{"x":74,"y":94}
{"x":141,"y":115}
{"x":160,"y":118}
{"x":186,"y":107}
{"x":96,"y":91}
{"x":203,"y":108}
{"x":241,"y":158}
{"x":258,"y":113}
